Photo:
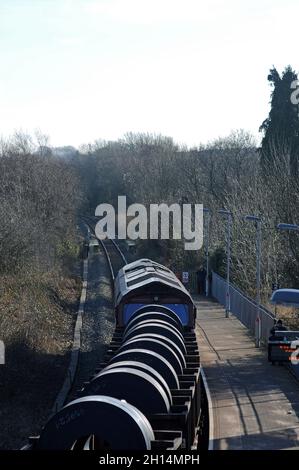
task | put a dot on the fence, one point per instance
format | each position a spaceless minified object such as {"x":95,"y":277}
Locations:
{"x":244,"y":308}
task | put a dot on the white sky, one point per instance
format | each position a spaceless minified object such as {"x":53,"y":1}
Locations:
{"x":86,"y":69}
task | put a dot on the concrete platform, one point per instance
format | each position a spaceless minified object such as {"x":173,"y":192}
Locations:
{"x":254,"y":405}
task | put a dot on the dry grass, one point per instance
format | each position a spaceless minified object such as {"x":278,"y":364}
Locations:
{"x":37,"y":315}
{"x":36,"y":309}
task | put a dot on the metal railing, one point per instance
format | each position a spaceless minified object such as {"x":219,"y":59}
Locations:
{"x":244,"y":308}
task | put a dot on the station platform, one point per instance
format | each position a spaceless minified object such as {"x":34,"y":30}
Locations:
{"x":254,"y":405}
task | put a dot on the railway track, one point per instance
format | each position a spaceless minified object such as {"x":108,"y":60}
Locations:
{"x":114,"y":255}
{"x":93,"y":332}
{"x":97,"y":325}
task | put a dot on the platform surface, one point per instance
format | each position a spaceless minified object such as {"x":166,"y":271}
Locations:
{"x":255,"y":405}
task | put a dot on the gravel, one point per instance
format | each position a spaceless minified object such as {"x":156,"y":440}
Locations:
{"x":98,"y":319}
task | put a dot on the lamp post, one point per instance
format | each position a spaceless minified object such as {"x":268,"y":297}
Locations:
{"x":228,"y":215}
{"x":292,"y":227}
{"x":207,"y":212}
{"x":258,"y":328}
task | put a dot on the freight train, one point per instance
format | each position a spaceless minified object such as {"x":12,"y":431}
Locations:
{"x":148,"y":394}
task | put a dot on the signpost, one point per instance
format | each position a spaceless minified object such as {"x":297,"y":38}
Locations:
{"x":185,"y":277}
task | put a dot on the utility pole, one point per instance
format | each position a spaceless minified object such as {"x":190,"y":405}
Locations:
{"x":228,"y":215}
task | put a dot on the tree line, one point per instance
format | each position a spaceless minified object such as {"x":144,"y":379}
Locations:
{"x":39,"y":200}
{"x":232,"y":173}
{"x":44,"y":191}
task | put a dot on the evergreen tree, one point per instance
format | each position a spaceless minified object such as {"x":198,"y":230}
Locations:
{"x":281,"y":128}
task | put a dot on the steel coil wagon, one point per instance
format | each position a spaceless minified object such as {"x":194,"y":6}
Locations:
{"x":146,"y":395}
